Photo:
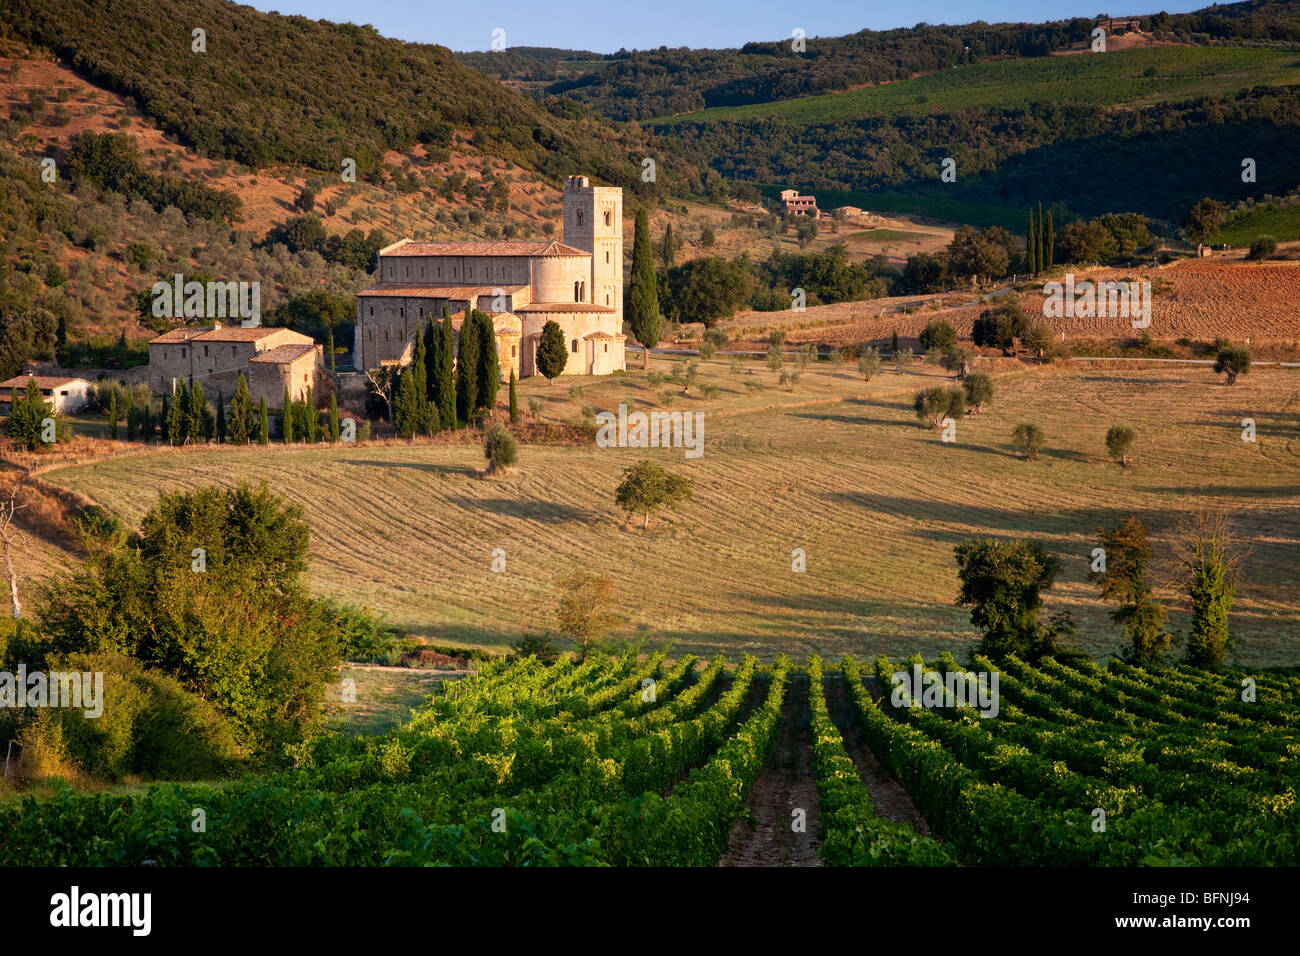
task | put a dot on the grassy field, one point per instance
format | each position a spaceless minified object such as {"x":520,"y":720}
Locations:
{"x":1141,"y":77}
{"x":837,"y":467}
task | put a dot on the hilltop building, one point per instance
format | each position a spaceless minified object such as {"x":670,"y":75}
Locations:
{"x":792,"y":204}
{"x":578,"y":283}
{"x":271,"y":359}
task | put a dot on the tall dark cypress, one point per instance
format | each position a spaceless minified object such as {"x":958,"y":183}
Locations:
{"x":1049,"y":241}
{"x":489,"y":365}
{"x":444,"y":382}
{"x":1031,"y":244}
{"x":466,"y":370}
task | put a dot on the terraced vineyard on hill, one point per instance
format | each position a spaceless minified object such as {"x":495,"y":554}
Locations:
{"x":634,"y":761}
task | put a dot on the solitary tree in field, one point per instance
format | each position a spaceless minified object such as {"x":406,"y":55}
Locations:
{"x":643,"y":291}
{"x":935,"y":404}
{"x":869,"y":362}
{"x":1262,"y":248}
{"x":583,"y":612}
{"x":1002,"y":581}
{"x":958,"y":358}
{"x":1233,"y":361}
{"x":902,"y":360}
{"x":514,"y":399}
{"x":646,"y":487}
{"x":979,"y":391}
{"x":1119,"y":442}
{"x":552,"y":355}
{"x":500,"y":449}
{"x":1028,"y":439}
{"x":1211,"y":555}
{"x":1124,"y":579}
{"x":1038,"y":339}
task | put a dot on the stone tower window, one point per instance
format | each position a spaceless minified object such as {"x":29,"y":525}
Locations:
{"x":607,"y":216}
{"x":606,"y":256}
{"x":579,"y":217}
{"x":575,"y":346}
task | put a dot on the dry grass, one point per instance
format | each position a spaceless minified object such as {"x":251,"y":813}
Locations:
{"x":877,"y":503}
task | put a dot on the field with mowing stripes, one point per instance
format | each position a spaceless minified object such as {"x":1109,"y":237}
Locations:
{"x":635,"y":762}
{"x":837,"y":467}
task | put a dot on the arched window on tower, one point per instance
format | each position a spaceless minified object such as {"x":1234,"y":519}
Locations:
{"x":608,"y":214}
{"x":577,"y":290}
{"x":579,"y":213}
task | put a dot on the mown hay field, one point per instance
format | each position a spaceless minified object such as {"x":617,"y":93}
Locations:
{"x":836,"y":467}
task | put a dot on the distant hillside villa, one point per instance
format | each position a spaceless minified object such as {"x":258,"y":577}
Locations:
{"x":795,"y":205}
{"x":578,"y":283}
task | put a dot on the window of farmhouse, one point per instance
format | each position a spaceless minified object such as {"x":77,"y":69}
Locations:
{"x":575,"y":345}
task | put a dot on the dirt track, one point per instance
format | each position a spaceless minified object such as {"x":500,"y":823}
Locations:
{"x":767,"y":838}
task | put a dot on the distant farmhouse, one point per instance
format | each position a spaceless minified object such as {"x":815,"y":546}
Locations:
{"x":271,"y":359}
{"x":65,"y":394}
{"x":795,"y":205}
{"x":578,"y":283}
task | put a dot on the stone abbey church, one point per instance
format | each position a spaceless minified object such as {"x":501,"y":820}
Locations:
{"x":578,"y":283}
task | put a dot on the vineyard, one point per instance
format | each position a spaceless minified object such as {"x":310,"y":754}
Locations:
{"x":643,"y":761}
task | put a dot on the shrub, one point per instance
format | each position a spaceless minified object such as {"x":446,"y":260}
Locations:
{"x":500,"y":449}
{"x":938,"y":336}
{"x":1028,"y":439}
{"x":1119,"y":442}
{"x":1232,"y":361}
{"x":1262,"y":248}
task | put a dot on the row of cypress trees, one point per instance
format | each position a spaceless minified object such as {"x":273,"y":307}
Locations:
{"x":441,"y":389}
{"x":1040,"y":242}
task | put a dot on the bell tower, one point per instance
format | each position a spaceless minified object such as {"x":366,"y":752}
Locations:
{"x":593,"y":222}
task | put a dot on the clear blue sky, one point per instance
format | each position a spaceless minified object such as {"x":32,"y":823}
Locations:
{"x":607,"y":25}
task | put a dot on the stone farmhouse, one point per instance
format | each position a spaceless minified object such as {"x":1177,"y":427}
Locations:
{"x":578,"y":283}
{"x":272,"y":359}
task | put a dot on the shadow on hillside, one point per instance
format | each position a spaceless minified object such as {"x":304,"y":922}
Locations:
{"x":550,"y":512}
{"x":467,"y":470}
{"x":849,"y":419}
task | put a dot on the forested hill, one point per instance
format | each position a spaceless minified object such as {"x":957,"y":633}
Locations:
{"x":663,"y":82}
{"x":272,"y":89}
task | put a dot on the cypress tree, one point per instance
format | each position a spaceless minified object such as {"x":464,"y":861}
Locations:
{"x":642,"y":305}
{"x":332,"y":372}
{"x":552,"y":354}
{"x":313,"y":418}
{"x":514,"y":401}
{"x":432,"y":342}
{"x":466,"y":370}
{"x":130,"y":414}
{"x":196,"y":414}
{"x":263,"y":423}
{"x":668,"y":248}
{"x":443,"y":383}
{"x":408,"y":407}
{"x":176,"y":415}
{"x":112,"y":415}
{"x":286,"y":418}
{"x":221,"y":418}
{"x":240,"y":427}
{"x":1049,"y":243}
{"x":489,"y":366}
{"x":334,"y":418}
{"x":1031,"y":244}
{"x":146,"y":424}
{"x":419,"y":372}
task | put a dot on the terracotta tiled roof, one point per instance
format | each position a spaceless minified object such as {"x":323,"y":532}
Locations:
{"x":551,"y":247}
{"x":598,"y":335}
{"x":42,"y":381}
{"x":182,"y":334}
{"x":421,"y":290}
{"x":283,"y":354}
{"x":565,"y":307}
